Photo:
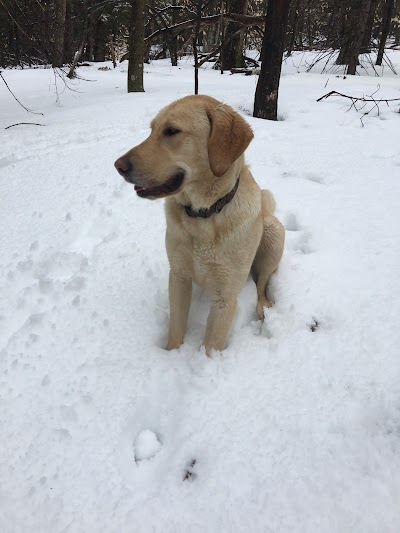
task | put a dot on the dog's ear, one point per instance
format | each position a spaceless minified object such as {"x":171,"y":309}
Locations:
{"x":229,"y":138}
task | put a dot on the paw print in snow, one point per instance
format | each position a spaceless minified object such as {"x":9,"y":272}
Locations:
{"x":190,"y":473}
{"x":146,"y":445}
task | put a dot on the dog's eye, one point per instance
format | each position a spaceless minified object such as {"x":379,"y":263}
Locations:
{"x":169,"y":132}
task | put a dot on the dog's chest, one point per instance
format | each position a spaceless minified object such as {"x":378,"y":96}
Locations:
{"x":204,"y":257}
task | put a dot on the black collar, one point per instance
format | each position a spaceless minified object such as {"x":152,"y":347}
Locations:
{"x":205,"y":212}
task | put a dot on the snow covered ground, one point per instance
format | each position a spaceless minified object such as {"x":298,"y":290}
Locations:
{"x":295,"y":427}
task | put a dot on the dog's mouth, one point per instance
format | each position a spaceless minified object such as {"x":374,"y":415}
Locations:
{"x":160,"y":191}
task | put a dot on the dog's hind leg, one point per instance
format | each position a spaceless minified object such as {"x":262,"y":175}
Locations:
{"x":267,"y":259}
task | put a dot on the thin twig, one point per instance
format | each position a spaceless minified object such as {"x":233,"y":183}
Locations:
{"x":15,"y":98}
{"x":245,"y":20}
{"x":22,"y":123}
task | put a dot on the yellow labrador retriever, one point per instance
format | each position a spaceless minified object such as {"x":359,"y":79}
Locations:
{"x":220,"y":224}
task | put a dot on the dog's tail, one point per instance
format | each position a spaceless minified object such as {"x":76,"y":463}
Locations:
{"x":268,"y":202}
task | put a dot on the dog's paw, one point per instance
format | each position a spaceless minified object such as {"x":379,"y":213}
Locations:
{"x":262,"y":302}
{"x":172,"y":346}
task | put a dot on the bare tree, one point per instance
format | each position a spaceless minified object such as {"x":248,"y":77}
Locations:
{"x":232,"y":52}
{"x":366,"y":42}
{"x":71,"y":74}
{"x":59,"y":29}
{"x":355,"y":16}
{"x":174,"y":41}
{"x":195,"y":39}
{"x":136,"y":47}
{"x":295,"y":15}
{"x":386,"y":20}
{"x":266,"y":98}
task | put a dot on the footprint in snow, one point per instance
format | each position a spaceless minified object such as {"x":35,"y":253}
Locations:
{"x":311,"y":176}
{"x":190,"y":474}
{"x":291,"y":223}
{"x":297,"y":239}
{"x":59,"y":265}
{"x":288,"y":174}
{"x":308,"y":176}
{"x":146,"y":445}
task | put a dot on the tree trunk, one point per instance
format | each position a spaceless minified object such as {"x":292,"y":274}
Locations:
{"x":78,"y":53}
{"x":91,"y":36}
{"x":210,"y":38}
{"x":196,"y":59}
{"x":59,"y":28}
{"x":232,"y":53}
{"x":397,"y":35}
{"x":266,"y":98}
{"x":366,"y":42}
{"x":309,"y":31}
{"x":300,"y":30}
{"x":293,"y":25}
{"x":99,"y":44}
{"x":136,"y":47}
{"x":386,"y":20}
{"x":112,"y":48}
{"x":16,"y":46}
{"x":355,"y":20}
{"x":173,"y":49}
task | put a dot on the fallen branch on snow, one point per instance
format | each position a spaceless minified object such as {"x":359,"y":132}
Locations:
{"x":243,"y":70}
{"x":246,"y":71}
{"x":363,"y":101}
{"x":358,"y":99}
{"x":22,"y":123}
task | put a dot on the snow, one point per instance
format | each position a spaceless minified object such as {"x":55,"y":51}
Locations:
{"x":146,"y":445}
{"x":295,"y":427}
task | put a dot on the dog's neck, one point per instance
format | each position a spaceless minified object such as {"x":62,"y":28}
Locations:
{"x":215,"y":208}
{"x":202,"y":192}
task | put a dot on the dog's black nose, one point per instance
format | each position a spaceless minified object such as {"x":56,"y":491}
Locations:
{"x":123,"y":165}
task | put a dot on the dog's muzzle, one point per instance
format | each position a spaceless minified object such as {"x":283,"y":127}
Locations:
{"x":170,"y":186}
{"x":124,"y":167}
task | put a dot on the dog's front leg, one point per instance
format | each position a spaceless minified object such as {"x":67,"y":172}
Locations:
{"x":180,"y":296}
{"x":219,"y":322}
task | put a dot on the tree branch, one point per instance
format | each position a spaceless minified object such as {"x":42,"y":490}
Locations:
{"x":356,"y":99}
{"x":364,"y":102}
{"x":22,"y":123}
{"x":245,"y":20}
{"x":15,"y":98}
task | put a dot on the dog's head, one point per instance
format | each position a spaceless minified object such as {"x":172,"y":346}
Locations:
{"x":192,"y":137}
